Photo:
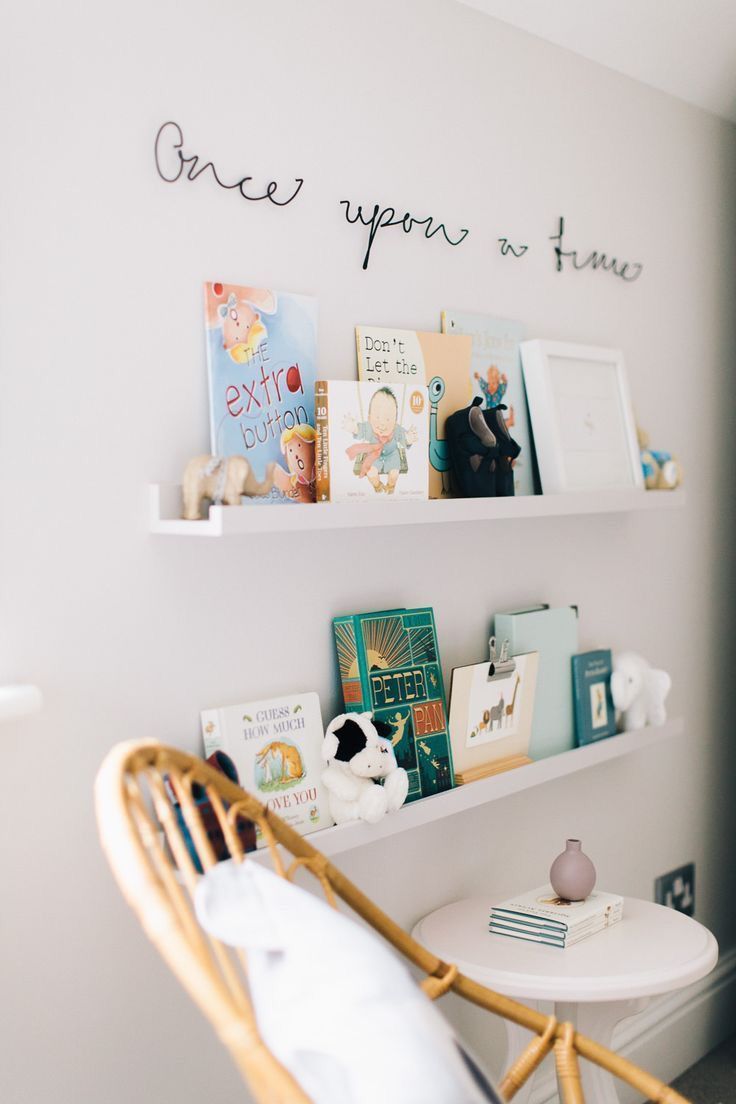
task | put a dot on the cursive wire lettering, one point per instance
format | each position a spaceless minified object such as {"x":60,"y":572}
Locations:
{"x":506,"y":248}
{"x":626,"y":270}
{"x":381,"y":218}
{"x":168,"y":145}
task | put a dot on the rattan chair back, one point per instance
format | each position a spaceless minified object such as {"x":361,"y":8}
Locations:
{"x":164,"y":816}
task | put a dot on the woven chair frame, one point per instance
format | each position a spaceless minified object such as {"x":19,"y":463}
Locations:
{"x":154,"y":868}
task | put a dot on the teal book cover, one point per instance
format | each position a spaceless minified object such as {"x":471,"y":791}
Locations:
{"x":554,"y":634}
{"x":496,"y":377}
{"x":595,"y":716}
{"x":262,"y":367}
{"x":389,"y":664}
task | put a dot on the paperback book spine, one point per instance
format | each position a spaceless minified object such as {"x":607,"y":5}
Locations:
{"x":322,"y":427}
{"x":211,"y":732}
{"x":581,"y":733}
{"x":526,"y":922}
{"x":548,"y":939}
{"x":350,"y":659}
{"x":528,"y":937}
{"x":592,"y":925}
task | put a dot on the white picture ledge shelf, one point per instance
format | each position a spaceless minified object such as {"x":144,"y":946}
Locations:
{"x":165,"y":511}
{"x":346,"y":837}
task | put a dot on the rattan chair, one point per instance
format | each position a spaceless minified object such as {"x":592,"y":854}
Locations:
{"x":155,"y":839}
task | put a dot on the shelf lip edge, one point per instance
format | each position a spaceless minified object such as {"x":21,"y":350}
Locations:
{"x":232,"y":521}
{"x":352,"y":836}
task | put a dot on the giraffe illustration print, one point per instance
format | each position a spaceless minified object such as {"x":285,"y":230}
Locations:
{"x":495,"y":705}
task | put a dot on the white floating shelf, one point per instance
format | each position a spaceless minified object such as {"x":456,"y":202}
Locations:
{"x":346,"y":837}
{"x":165,"y":511}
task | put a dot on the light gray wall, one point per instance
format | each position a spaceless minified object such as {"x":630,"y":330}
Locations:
{"x":440,"y":110}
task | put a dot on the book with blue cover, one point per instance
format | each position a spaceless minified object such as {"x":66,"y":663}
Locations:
{"x":496,"y":377}
{"x":595,"y":717}
{"x":389,"y":664}
{"x":262,"y":367}
{"x":554,"y":634}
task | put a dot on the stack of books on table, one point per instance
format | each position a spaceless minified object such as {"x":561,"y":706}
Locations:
{"x":542,"y":917}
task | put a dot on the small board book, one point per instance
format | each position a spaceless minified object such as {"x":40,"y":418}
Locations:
{"x":548,"y":937}
{"x":372,"y":441}
{"x":554,"y":634}
{"x":440,"y":361}
{"x":496,"y":377}
{"x":543,"y":917}
{"x":262,"y":367}
{"x":595,"y":717}
{"x":389,"y":664}
{"x":276,"y":745}
{"x":491,"y":716}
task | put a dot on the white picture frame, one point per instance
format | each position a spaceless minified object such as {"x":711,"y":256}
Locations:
{"x":582,"y":418}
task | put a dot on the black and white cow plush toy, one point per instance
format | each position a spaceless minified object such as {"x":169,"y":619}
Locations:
{"x":359,"y":757}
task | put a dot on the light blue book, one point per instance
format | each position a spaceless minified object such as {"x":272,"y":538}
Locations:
{"x":554,"y":634}
{"x":262,"y":368}
{"x":496,"y":377}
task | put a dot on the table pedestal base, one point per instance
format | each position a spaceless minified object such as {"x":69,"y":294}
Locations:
{"x":597,"y":1021}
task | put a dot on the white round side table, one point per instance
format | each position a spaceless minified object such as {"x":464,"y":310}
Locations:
{"x":594,"y":984}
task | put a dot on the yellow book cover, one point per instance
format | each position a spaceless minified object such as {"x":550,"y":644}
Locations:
{"x":441,"y":362}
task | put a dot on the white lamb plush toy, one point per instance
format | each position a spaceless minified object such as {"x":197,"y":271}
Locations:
{"x":639,"y":691}
{"x":356,"y":755}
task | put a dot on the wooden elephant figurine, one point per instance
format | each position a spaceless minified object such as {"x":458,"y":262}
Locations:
{"x":222,"y":480}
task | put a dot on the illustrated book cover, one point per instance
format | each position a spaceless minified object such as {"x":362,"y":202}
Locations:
{"x":276,"y":745}
{"x":595,"y":717}
{"x":441,"y":362}
{"x":554,"y":634}
{"x":372,"y":441}
{"x":491,"y":716}
{"x":389,"y":664}
{"x":262,"y":367}
{"x":497,"y":378}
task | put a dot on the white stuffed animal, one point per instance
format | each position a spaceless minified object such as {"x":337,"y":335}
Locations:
{"x":357,"y":755}
{"x":639,"y":691}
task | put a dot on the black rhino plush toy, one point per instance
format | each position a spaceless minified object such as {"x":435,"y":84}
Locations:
{"x":482,"y":451}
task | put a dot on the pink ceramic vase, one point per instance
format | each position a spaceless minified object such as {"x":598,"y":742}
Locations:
{"x":572,"y":874}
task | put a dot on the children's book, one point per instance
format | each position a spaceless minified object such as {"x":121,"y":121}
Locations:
{"x":547,"y":936}
{"x":595,"y":717}
{"x":389,"y":664}
{"x":371,"y":440}
{"x":548,"y":940}
{"x":541,"y":909}
{"x":276,"y":745}
{"x":496,"y":378}
{"x":554,"y":634}
{"x":439,"y":361}
{"x":262,"y":366}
